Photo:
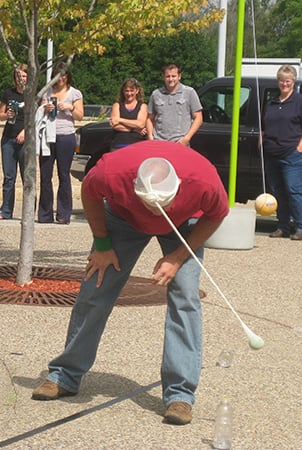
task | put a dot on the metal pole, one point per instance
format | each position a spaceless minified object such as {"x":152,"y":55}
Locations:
{"x":222,"y":40}
{"x":49,"y":59}
{"x":236,"y":104}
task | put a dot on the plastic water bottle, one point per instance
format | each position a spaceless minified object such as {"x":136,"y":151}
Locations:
{"x":54,"y":101}
{"x":223,"y":426}
{"x":13,"y":106}
{"x":225,"y":358}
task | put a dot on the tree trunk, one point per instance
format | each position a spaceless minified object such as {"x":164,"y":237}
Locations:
{"x":29,"y":199}
{"x":26,"y":255}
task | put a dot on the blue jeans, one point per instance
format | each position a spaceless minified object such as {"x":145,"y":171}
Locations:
{"x":12,"y":155}
{"x":62,"y":152}
{"x":181,"y":363}
{"x":284,"y":176}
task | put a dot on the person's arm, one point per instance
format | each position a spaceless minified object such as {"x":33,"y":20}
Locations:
{"x":121,"y":124}
{"x":136,"y":124}
{"x":260,"y":140}
{"x":196,"y":124}
{"x":150,"y":126}
{"x":4,"y":113}
{"x":20,"y":138}
{"x":202,"y":230}
{"x":77,"y":109}
{"x":8,"y":114}
{"x":100,"y":259}
{"x":115,"y":119}
{"x":115,"y":116}
{"x":166,"y":268}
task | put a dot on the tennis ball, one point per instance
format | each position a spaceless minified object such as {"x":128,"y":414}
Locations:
{"x":265,"y":204}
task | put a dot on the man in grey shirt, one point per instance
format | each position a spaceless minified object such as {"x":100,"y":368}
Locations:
{"x":174,"y":110}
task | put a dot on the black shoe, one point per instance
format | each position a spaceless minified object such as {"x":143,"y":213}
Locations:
{"x":297,"y":236}
{"x":279,"y":234}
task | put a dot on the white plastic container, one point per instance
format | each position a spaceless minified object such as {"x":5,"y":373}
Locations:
{"x":236,"y":232}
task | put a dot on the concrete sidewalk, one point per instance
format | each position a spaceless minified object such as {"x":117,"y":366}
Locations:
{"x":119,"y":404}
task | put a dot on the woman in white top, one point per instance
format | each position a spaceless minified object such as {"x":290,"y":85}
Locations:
{"x":68,"y":108}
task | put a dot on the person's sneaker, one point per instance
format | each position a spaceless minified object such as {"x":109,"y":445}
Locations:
{"x":279,"y":234}
{"x":179,"y":413}
{"x":50,"y":391}
{"x":297,"y":236}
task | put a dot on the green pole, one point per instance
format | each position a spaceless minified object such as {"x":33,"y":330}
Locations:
{"x":236,"y":104}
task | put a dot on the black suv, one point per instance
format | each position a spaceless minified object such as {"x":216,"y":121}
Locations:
{"x":213,"y":139}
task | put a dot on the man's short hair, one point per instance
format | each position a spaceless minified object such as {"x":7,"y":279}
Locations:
{"x":170,"y":66}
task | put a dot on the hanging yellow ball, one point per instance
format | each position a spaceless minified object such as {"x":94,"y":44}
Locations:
{"x":266,"y":204}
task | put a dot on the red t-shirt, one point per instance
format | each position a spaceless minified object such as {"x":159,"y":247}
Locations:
{"x":201,"y":190}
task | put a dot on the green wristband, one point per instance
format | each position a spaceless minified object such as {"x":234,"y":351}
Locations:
{"x":102,"y":244}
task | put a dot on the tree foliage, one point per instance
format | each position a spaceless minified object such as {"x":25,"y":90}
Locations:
{"x":281,"y":31}
{"x":99,"y":78}
{"x":277,"y":25}
{"x":82,"y":26}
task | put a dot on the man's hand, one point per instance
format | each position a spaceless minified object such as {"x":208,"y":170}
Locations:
{"x":184,"y":141}
{"x":165,"y":270}
{"x":99,"y":261}
{"x":142,"y":131}
{"x":20,"y":138}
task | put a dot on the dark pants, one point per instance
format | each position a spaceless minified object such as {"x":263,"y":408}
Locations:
{"x":12,"y":155}
{"x":62,"y":152}
{"x":285,"y":180}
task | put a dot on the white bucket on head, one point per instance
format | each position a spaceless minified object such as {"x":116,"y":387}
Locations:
{"x":236,"y":232}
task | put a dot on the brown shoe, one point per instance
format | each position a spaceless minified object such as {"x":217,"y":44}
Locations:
{"x":179,"y":413}
{"x":50,"y":391}
{"x":297,"y":236}
{"x":279,"y":234}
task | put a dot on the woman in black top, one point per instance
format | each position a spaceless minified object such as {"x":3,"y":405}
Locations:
{"x":282,"y":145}
{"x":12,"y":152}
{"x":128,"y":115}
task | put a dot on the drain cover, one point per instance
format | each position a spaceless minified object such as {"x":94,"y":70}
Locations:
{"x":137,"y":292}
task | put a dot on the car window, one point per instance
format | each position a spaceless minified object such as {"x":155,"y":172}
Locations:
{"x":298,"y":87}
{"x":269,"y":94}
{"x":217,"y":104}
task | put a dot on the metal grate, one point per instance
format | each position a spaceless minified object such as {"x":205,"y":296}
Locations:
{"x":35,"y":298}
{"x":45,"y":272}
{"x":137,"y":292}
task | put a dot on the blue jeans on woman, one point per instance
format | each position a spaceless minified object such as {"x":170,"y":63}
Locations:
{"x":62,"y":152}
{"x":12,"y":156}
{"x":284,"y":177}
{"x":181,"y":362}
